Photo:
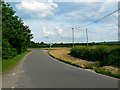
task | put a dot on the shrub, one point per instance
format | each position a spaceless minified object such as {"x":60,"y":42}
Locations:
{"x":106,"y":55}
{"x":113,"y":58}
{"x":8,"y":51}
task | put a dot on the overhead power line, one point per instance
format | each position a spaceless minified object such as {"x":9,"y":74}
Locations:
{"x":93,"y":23}
{"x":107,"y":15}
{"x":100,"y":18}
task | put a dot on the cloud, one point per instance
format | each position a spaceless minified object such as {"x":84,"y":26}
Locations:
{"x":66,"y":34}
{"x":46,"y":33}
{"x":59,"y":30}
{"x":37,"y":9}
{"x":95,"y":0}
{"x":77,"y":15}
{"x":88,"y":12}
{"x":68,"y":0}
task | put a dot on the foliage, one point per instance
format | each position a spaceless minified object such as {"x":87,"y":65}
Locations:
{"x":16,"y":37}
{"x":38,"y":45}
{"x":106,"y":55}
{"x":11,"y":52}
{"x":113,"y":57}
{"x":102,"y":71}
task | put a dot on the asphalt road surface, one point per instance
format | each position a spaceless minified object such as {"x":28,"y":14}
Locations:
{"x":39,"y":70}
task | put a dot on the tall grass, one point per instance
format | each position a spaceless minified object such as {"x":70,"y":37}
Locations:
{"x":105,"y":54}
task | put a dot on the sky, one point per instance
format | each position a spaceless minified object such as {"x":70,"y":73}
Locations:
{"x":52,"y":21}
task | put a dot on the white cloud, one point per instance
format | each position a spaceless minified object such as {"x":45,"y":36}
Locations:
{"x":91,"y":12}
{"x":106,"y":6}
{"x":68,"y":0}
{"x":59,"y":30}
{"x":79,"y":16}
{"x":37,"y":9}
{"x":66,"y":33}
{"x":50,"y":1}
{"x":62,"y":33}
{"x":94,"y":0}
{"x":47,"y":33}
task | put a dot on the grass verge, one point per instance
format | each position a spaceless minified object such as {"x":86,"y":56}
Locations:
{"x":11,"y":63}
{"x":105,"y":72}
{"x":0,"y":66}
{"x":63,"y":55}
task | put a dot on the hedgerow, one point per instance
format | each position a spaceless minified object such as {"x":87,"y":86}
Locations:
{"x":106,"y":55}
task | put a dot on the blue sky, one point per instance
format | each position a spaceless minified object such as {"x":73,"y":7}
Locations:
{"x":53,"y":21}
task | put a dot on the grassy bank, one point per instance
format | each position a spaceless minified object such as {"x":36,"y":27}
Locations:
{"x":102,"y":70}
{"x":10,"y":63}
{"x":64,"y":56}
{"x":0,"y":66}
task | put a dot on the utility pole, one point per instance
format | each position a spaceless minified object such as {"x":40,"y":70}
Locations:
{"x":50,"y":46}
{"x":87,"y":36}
{"x":73,"y":36}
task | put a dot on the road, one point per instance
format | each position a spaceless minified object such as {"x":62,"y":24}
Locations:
{"x":39,"y":70}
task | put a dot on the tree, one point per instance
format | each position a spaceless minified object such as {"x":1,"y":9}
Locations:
{"x":16,"y":36}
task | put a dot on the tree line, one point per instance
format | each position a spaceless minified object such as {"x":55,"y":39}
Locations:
{"x":47,"y":45}
{"x":15,"y":35}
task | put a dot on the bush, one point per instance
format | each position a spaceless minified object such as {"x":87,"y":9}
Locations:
{"x":113,"y":58}
{"x":8,"y":51}
{"x":106,"y":55}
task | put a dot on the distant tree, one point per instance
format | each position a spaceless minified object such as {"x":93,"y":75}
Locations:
{"x":61,"y":43}
{"x":42,"y":43}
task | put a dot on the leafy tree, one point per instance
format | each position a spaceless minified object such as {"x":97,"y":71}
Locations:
{"x":16,"y":36}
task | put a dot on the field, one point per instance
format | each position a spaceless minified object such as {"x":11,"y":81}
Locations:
{"x":64,"y":55}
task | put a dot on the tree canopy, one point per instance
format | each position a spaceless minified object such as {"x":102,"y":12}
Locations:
{"x":15,"y":35}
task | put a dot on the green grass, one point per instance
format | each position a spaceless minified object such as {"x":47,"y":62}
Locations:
{"x":11,"y":63}
{"x":0,"y":66}
{"x":102,"y":71}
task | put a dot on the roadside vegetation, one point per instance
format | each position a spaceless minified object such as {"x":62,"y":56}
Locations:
{"x":15,"y":35}
{"x":0,"y":66}
{"x":63,"y":55}
{"x":92,"y":60}
{"x":15,"y":38}
{"x":11,"y":63}
{"x":106,"y":55}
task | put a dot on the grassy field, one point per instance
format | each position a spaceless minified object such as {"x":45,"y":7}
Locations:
{"x":10,"y":63}
{"x":63,"y":54}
